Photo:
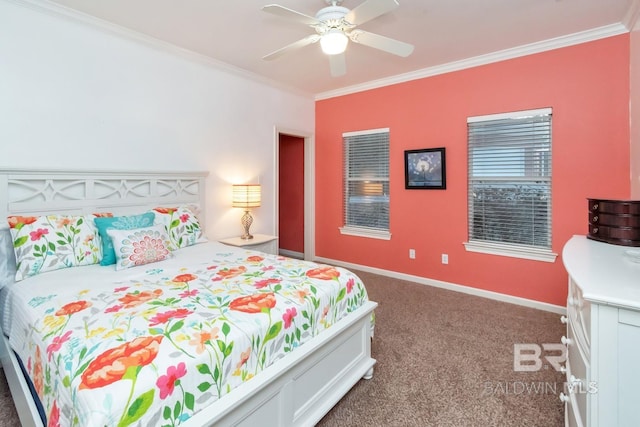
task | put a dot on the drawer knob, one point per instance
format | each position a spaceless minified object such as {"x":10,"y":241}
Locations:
{"x":563,"y":369}
{"x":595,"y":206}
{"x":595,"y":218}
{"x":566,"y":341}
{"x":564,"y":398}
{"x":594,"y":230}
{"x":563,"y":319}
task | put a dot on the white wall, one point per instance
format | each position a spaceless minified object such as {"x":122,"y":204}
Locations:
{"x":75,"y":95}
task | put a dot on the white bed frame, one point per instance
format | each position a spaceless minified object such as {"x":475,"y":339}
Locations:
{"x":297,"y":390}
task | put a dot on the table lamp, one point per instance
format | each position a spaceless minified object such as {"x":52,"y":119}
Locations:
{"x":246,"y":196}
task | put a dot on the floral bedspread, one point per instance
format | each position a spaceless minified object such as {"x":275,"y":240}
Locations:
{"x":157,"y":348}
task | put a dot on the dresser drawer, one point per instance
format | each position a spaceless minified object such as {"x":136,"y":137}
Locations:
{"x":577,"y":382}
{"x":579,"y":313}
{"x":572,"y":413}
{"x":625,"y":236}
{"x":614,"y":220}
{"x":622,"y":207}
{"x":576,"y":357}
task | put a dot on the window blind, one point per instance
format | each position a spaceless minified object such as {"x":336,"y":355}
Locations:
{"x":366,"y":179}
{"x":509,"y":182}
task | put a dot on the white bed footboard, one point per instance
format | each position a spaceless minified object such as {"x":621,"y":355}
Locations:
{"x":302,"y":387}
{"x":297,"y":390}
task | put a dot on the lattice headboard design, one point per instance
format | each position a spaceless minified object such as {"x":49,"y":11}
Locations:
{"x":38,"y":192}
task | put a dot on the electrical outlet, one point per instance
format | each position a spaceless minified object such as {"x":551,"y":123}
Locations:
{"x":412,"y":253}
{"x":445,"y":259}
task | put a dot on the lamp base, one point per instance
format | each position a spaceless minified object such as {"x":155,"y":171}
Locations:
{"x":246,"y":221}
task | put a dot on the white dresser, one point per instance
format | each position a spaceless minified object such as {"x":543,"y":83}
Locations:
{"x":603,"y":335}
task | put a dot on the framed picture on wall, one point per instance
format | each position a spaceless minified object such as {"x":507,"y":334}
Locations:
{"x":425,"y":169}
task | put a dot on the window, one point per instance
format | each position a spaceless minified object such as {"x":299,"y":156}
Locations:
{"x":509,"y":184}
{"x":366,"y":183}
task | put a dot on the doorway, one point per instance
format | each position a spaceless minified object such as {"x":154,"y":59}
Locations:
{"x":291,"y":195}
{"x":305,"y":177}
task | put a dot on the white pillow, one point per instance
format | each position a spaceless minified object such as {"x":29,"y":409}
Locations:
{"x":140,"y":246}
{"x":50,"y":242}
{"x":7,"y":258}
{"x":182,"y":225}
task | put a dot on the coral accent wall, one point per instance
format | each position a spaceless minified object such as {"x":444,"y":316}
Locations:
{"x":291,"y":193}
{"x":634,"y":110}
{"x":586,"y":85}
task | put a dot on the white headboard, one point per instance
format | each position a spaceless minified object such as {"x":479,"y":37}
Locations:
{"x":38,"y":192}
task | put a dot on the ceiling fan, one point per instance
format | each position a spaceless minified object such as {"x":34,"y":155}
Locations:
{"x":336,"y":25}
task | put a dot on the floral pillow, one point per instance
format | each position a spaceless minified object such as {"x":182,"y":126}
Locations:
{"x":119,"y":223}
{"x":182,"y":226}
{"x":51,"y":242}
{"x":140,"y":246}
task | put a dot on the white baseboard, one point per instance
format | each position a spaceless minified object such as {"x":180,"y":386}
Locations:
{"x":291,"y":254}
{"x":450,"y":286}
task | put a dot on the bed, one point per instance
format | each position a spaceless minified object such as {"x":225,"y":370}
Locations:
{"x":182,"y":331}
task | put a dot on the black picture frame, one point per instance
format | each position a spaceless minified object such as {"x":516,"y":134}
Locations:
{"x":425,"y":169}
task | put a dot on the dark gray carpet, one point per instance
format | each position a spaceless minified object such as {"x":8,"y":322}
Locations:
{"x":444,"y":359}
{"x":8,"y":414}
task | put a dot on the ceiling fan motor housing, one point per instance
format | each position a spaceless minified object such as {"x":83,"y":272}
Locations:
{"x":332,"y":17}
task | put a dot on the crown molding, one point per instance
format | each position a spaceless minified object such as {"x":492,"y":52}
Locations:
{"x":524,"y":50}
{"x":630,"y":19}
{"x":60,"y":11}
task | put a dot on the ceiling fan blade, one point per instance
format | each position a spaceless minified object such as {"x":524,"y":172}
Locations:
{"x":338,"y":65}
{"x":295,"y":45}
{"x":285,"y":12}
{"x":381,"y":42}
{"x":369,"y":10}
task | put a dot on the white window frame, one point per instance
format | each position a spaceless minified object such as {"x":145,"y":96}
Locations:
{"x":350,"y":230}
{"x":501,"y":248}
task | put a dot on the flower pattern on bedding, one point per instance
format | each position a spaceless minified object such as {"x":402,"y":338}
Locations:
{"x":159,"y":347}
{"x":181,"y":224}
{"x":51,"y":242}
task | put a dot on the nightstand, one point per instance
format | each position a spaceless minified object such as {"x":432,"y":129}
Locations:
{"x":260,"y":242}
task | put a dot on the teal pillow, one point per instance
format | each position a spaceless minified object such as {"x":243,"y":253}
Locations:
{"x":119,"y":223}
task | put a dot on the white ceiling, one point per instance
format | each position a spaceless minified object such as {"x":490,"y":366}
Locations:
{"x":239,"y":33}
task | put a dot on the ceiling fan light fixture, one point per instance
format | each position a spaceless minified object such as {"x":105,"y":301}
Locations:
{"x":334,"y":42}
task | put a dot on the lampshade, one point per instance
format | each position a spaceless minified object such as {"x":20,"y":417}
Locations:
{"x":246,"y":196}
{"x":334,"y":42}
